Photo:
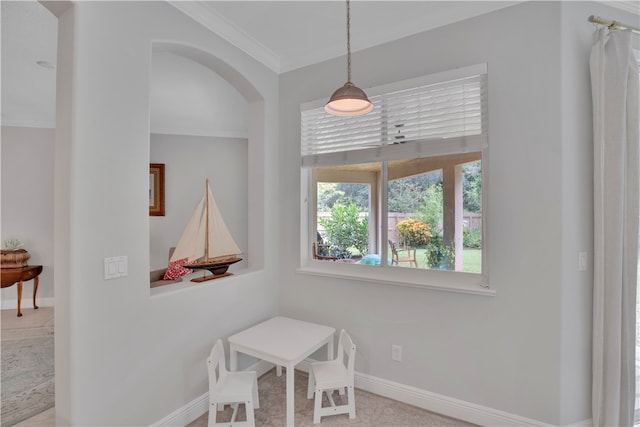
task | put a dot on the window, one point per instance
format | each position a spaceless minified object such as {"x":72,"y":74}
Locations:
{"x":396,"y":195}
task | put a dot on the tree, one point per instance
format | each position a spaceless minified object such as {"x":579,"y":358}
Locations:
{"x":328,"y":194}
{"x":354,"y":193}
{"x":431,"y":209}
{"x":407,"y":194}
{"x":472,"y":187}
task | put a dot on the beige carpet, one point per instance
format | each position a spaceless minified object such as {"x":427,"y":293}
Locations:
{"x":371,"y":410}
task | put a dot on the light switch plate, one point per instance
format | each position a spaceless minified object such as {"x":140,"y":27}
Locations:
{"x":115,"y":267}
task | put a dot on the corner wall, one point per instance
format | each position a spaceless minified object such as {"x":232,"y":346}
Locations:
{"x":124,"y":357}
{"x":577,"y":201}
{"x":507,"y":353}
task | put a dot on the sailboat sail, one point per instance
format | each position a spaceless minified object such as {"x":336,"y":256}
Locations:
{"x":192,"y":242}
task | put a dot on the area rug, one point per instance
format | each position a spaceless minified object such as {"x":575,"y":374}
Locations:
{"x":27,"y":374}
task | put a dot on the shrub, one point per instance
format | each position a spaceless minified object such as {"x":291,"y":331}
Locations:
{"x":439,"y":255}
{"x":344,"y":230}
{"x":414,"y":232}
{"x":472,"y":238}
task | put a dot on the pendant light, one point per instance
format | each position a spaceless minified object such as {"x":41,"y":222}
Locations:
{"x":349,"y":100}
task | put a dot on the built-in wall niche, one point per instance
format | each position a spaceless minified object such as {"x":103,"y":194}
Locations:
{"x":199,"y":127}
{"x":188,"y":98}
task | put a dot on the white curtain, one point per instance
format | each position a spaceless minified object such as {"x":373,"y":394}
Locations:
{"x":614,"y":84}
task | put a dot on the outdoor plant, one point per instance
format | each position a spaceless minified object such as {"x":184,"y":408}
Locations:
{"x":439,"y":255}
{"x":472,"y":238}
{"x":344,"y":230}
{"x":414,"y":232}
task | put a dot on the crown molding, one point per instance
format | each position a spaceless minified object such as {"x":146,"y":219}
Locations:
{"x":631,"y":6}
{"x":217,"y":24}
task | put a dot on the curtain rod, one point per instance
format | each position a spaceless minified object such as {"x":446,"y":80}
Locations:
{"x":612,"y":24}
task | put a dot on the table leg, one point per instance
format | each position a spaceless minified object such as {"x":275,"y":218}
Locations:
{"x":19,"y":297}
{"x":290,"y":394}
{"x":35,"y":290}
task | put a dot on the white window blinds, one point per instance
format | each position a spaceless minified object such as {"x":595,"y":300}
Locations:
{"x":436,"y":118}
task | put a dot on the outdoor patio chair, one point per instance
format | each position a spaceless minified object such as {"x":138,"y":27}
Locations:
{"x":410,"y":256}
{"x":317,"y":256}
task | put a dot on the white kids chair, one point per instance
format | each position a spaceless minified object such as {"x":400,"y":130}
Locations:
{"x":230,"y":388}
{"x":336,"y":374}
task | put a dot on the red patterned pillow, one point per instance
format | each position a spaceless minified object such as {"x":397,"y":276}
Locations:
{"x":176,"y":269}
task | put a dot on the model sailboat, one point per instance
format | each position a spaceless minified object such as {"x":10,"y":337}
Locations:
{"x":206,"y":242}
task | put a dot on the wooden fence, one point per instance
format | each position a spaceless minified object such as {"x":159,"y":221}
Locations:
{"x":472,"y":221}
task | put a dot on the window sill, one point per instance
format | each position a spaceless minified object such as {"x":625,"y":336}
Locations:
{"x":446,"y":281}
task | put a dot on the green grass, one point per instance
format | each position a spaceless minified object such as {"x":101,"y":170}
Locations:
{"x":471,"y":262}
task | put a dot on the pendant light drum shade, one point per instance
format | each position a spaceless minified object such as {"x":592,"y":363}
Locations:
{"x":349,"y":100}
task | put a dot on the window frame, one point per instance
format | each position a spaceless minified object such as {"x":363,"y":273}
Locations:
{"x":447,"y":280}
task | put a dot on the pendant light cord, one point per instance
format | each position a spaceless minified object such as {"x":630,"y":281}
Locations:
{"x":348,"y":43}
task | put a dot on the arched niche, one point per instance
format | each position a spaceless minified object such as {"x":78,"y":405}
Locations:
{"x":204,"y":124}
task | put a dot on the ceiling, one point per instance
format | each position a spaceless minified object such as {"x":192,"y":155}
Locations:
{"x":286,"y":35}
{"x":283,"y":35}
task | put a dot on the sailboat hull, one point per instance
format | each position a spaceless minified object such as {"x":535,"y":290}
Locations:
{"x":218,"y":269}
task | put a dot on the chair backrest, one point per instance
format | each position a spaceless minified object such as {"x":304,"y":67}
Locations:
{"x":317,"y":256}
{"x":394,"y":251}
{"x":347,"y":353}
{"x":216,"y":363}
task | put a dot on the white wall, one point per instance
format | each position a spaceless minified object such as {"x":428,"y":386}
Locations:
{"x":187,"y":98}
{"x":577,"y":200}
{"x":27,"y":205}
{"x":525,"y":351}
{"x":189,"y":161}
{"x":122,"y":356}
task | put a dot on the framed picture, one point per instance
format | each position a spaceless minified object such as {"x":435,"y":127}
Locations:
{"x":156,"y":189}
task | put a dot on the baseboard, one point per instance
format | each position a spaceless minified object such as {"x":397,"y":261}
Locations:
{"x":454,"y":408}
{"x":440,"y":404}
{"x":583,"y":423}
{"x":433,"y":402}
{"x":27,"y":302}
{"x":186,"y":414}
{"x":198,"y":406}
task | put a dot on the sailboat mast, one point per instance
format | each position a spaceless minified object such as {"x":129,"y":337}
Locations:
{"x":206,"y":240}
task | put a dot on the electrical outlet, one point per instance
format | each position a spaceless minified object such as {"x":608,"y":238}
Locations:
{"x":582,"y":261}
{"x":396,"y":352}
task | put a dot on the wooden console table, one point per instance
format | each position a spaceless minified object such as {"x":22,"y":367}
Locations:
{"x":10,"y":276}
